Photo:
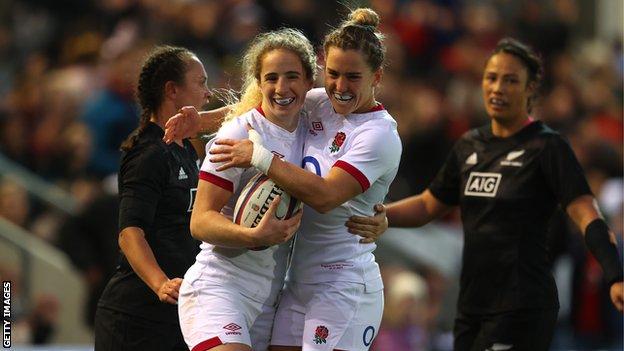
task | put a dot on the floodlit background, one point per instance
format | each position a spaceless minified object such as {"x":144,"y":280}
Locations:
{"x":67,"y":73}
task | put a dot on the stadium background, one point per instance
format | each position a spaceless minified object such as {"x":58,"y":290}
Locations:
{"x":68,"y":67}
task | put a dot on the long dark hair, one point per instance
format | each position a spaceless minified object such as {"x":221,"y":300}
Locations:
{"x":163,"y":64}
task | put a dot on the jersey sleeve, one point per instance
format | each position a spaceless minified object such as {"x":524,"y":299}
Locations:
{"x":142,"y":178}
{"x":374,"y":151}
{"x":228,"y":179}
{"x":445,"y":186}
{"x":563,"y":172}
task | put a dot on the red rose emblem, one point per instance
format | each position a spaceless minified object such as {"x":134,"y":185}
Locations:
{"x":322,"y":331}
{"x":321,"y":334}
{"x":340,"y":138}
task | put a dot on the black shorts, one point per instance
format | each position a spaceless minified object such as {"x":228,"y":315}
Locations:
{"x":522,"y":330}
{"x":116,"y":331}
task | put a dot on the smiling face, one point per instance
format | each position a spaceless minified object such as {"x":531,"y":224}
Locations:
{"x":194,"y":91}
{"x":506,"y":90}
{"x":349,"y":81}
{"x":284,"y":85}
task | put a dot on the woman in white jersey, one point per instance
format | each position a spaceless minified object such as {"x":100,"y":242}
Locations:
{"x":229,"y":296}
{"x":333,"y":298}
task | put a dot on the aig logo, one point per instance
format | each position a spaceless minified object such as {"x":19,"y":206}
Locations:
{"x":482,"y":184}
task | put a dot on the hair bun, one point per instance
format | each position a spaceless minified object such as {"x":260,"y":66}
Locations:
{"x":364,"y":17}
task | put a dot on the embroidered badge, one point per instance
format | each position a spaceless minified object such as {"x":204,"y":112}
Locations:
{"x":338,"y":141}
{"x":321,"y":334}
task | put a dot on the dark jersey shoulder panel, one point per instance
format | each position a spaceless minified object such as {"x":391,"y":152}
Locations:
{"x":507,"y":190}
{"x":157,"y":184}
{"x":143,"y":176}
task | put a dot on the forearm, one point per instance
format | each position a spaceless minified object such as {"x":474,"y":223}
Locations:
{"x":599,"y":239}
{"x":415,"y":211}
{"x":311,"y":189}
{"x":210,"y":121}
{"x":409,"y":212}
{"x":214,"y":228}
{"x":141,"y":257}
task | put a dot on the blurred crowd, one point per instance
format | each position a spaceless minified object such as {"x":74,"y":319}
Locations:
{"x":68,"y":70}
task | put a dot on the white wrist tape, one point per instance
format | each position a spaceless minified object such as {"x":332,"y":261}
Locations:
{"x":261,"y":157}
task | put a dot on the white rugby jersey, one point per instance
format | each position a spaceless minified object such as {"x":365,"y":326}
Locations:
{"x":257,"y":274}
{"x":368,"y":147}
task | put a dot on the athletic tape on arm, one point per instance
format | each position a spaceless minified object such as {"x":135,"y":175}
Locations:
{"x":261,"y":157}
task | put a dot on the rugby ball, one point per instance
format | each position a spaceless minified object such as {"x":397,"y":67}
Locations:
{"x":255,"y":199}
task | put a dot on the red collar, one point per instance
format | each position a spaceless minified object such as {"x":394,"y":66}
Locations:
{"x":259,"y":109}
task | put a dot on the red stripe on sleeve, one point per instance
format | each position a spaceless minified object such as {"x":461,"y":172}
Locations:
{"x":218,"y":181}
{"x":359,"y":176}
{"x":208,"y":344}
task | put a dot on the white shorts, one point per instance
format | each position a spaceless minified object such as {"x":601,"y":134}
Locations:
{"x":212,"y":315}
{"x":327,"y":316}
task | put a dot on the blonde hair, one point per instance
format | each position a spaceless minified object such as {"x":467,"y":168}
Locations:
{"x":286,"y":38}
{"x":359,"y":32}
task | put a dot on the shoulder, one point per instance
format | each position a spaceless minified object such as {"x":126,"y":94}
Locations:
{"x":314,"y":99}
{"x":236,"y":128}
{"x":476,"y":133}
{"x":379,"y":123}
{"x":384,"y":119}
{"x":542,"y":136}
{"x":145,"y":156}
{"x":544,"y":131}
{"x":380,"y":132}
{"x":316,"y":95}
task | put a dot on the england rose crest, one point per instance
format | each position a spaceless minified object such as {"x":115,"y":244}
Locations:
{"x":338,"y":141}
{"x":321,"y":334}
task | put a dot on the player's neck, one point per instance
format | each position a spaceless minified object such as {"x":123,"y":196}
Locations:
{"x":505,"y":128}
{"x":288,"y":123}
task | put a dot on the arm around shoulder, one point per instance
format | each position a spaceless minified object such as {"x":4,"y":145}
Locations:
{"x":321,"y":193}
{"x":211,"y":120}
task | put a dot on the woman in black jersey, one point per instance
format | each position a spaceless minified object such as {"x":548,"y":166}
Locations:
{"x":157,"y":183}
{"x":507,"y":178}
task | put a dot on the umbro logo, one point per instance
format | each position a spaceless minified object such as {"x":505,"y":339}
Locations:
{"x":233,"y":329}
{"x":472,"y":159}
{"x":182,"y":174}
{"x":318,"y":126}
{"x":482,"y":184}
{"x":509,"y":160}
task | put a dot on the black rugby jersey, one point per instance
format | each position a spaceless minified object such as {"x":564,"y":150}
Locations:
{"x":507,"y":190}
{"x":157,"y":184}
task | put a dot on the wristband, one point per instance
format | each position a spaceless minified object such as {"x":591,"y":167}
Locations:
{"x":597,"y":240}
{"x":261,"y":157}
